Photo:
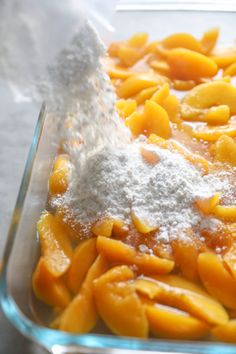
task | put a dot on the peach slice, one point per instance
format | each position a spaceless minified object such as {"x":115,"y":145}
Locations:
{"x":103,"y":227}
{"x":226,"y":332}
{"x":58,"y":180}
{"x":225,"y":212}
{"x":178,"y":281}
{"x":126,"y":107}
{"x":214,"y":93}
{"x":83,"y":257}
{"x":135,"y":84}
{"x":52,"y":291}
{"x":208,"y":205}
{"x":182,"y":40}
{"x":55,"y":244}
{"x":203,"y":307}
{"x":216,"y":279}
{"x":142,"y":225}
{"x":225,"y":150}
{"x":186,"y":64}
{"x":145,"y":94}
{"x":118,"y":252}
{"x":209,"y":40}
{"x":166,"y":322}
{"x":156,"y":120}
{"x":118,"y":304}
{"x":185,"y":253}
{"x":80,"y":316}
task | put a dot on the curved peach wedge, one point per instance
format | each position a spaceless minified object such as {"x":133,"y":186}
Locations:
{"x":83,"y":257}
{"x":182,"y":40}
{"x":58,"y":180}
{"x":216,"y":279}
{"x":136,"y":83}
{"x":187,"y":64}
{"x":156,"y":120}
{"x":55,"y":244}
{"x":118,"y":304}
{"x":118,"y":252}
{"x":52,"y":291}
{"x":213,"y":93}
{"x":178,"y":281}
{"x":103,"y":227}
{"x":226,"y":332}
{"x":166,"y":322}
{"x":225,"y":150}
{"x":80,"y":316}
{"x":203,"y":307}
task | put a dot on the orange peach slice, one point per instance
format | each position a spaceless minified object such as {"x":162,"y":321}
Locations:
{"x":52,"y":291}
{"x":178,"y":281}
{"x":58,"y":180}
{"x":209,"y":40}
{"x":226,"y":332}
{"x":145,"y":94}
{"x":118,"y":252}
{"x":156,"y":120}
{"x":125,"y":107}
{"x":230,"y":70}
{"x":55,"y":244}
{"x":80,"y":316}
{"x":185,"y":253}
{"x":103,"y":227}
{"x":186,"y":64}
{"x":135,"y":84}
{"x":83,"y":257}
{"x":225,"y":150}
{"x":203,"y":307}
{"x":214,"y":93}
{"x":182,"y":40}
{"x":207,"y":205}
{"x":118,"y":304}
{"x":166,"y":322}
{"x":216,"y":279}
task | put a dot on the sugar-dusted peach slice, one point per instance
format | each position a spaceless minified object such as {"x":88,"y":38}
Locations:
{"x":207,"y":205}
{"x":83,"y":257}
{"x":103,"y":227}
{"x":167,"y":322}
{"x":216,"y":279}
{"x":58,"y":180}
{"x":185,"y":251}
{"x":52,"y":291}
{"x":55,"y":244}
{"x":118,"y":252}
{"x":142,"y":225}
{"x":118,"y":304}
{"x":203,"y":307}
{"x":80,"y":316}
{"x":225,"y":150}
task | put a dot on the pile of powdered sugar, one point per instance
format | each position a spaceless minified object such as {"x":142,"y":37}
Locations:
{"x":118,"y":181}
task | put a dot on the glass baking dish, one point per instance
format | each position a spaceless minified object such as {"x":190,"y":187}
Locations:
{"x":158,"y":19}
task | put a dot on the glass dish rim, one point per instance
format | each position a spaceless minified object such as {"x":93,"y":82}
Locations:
{"x":95,"y":343}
